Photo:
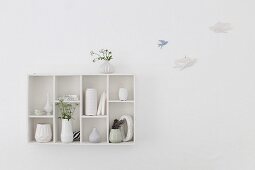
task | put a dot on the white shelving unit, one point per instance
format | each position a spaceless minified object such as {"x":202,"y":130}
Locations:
{"x":60,"y":85}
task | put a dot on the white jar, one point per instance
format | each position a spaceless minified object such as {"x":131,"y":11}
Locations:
{"x":43,"y":133}
{"x":123,"y":94}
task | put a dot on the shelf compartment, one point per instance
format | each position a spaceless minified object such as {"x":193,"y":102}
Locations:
{"x":75,"y":122}
{"x":98,"y":82}
{"x":120,"y":81}
{"x":116,"y":110}
{"x":39,"y":86}
{"x":89,"y":124}
{"x":67,"y":85}
{"x":32,"y":127}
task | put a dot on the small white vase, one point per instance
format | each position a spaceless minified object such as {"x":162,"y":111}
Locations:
{"x":123,"y":94}
{"x":43,"y":133}
{"x":115,"y":136}
{"x":94,"y":136}
{"x":106,"y":68}
{"x":48,"y":106}
{"x":66,"y":131}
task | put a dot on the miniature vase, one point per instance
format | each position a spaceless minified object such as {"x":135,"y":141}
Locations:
{"x":94,"y":136}
{"x":106,"y":68}
{"x":66,"y":131}
{"x":115,"y":136}
{"x":48,"y":106}
{"x":43,"y":133}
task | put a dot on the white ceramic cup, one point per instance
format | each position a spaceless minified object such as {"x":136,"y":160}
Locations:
{"x":123,"y":94}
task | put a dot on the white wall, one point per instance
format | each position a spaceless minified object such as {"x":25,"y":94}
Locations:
{"x":200,"y":118}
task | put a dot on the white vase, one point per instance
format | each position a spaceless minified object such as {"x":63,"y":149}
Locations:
{"x":48,"y":106}
{"x":91,"y":102}
{"x":94,"y":136}
{"x":43,"y":133}
{"x":66,"y":131}
{"x":106,"y":68}
{"x":115,"y":136}
{"x":123,"y":94}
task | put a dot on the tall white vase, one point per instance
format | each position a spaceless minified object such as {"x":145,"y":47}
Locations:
{"x":48,"y":106}
{"x":66,"y":131}
{"x":43,"y":133}
{"x":91,"y":102}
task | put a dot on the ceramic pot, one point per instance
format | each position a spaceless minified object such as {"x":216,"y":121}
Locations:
{"x":91,"y":102}
{"x":115,"y":136}
{"x":48,"y":106}
{"x":43,"y":133}
{"x":94,"y":136}
{"x":106,"y":68}
{"x":123,"y":94}
{"x":66,"y":131}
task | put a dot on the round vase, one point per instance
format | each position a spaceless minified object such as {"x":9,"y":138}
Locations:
{"x":115,"y":136}
{"x":43,"y":133}
{"x":94,"y":136}
{"x":106,"y":68}
{"x":66,"y":131}
{"x":123,"y":94}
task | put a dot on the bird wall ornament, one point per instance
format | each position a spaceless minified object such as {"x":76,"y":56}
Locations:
{"x":221,"y":27}
{"x":185,"y":62}
{"x":162,"y":43}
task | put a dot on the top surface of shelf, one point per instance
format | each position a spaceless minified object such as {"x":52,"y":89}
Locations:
{"x":80,"y":74}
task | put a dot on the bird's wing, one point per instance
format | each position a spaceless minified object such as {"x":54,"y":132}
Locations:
{"x":162,"y":41}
